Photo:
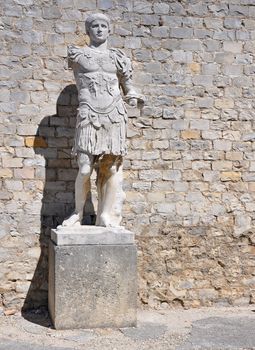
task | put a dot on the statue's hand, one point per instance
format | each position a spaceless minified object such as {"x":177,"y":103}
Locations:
{"x":132,"y":102}
{"x":132,"y":98}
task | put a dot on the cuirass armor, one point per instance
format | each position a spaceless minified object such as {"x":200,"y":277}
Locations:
{"x":97,"y":82}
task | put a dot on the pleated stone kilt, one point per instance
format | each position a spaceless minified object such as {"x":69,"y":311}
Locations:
{"x":101,"y":133}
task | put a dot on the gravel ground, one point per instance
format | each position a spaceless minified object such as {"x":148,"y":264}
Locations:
{"x":195,"y":329}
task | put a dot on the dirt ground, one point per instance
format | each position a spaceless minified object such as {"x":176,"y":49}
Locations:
{"x":195,"y":329}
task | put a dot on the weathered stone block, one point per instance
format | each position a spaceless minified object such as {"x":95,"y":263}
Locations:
{"x":230,"y":176}
{"x":180,"y":124}
{"x":160,"y":32}
{"x":105,"y":4}
{"x":238,"y":10}
{"x":21,"y":50}
{"x":150,"y":155}
{"x":234,"y":69}
{"x":5,"y":173}
{"x":142,"y":55}
{"x":143,"y":7}
{"x":92,"y":278}
{"x":14,"y":185}
{"x":230,"y":23}
{"x":204,"y":80}
{"x":165,"y":208}
{"x":190,"y":134}
{"x":133,"y":43}
{"x":182,"y":57}
{"x":162,"y":55}
{"x":65,"y":27}
{"x":35,"y":141}
{"x":172,"y":175}
{"x":161,"y":8}
{"x":149,"y":20}
{"x":156,"y":197}
{"x":85,"y":4}
{"x":160,"y":144}
{"x":5,"y":96}
{"x":177,"y":9}
{"x":181,"y":33}
{"x":12,"y":162}
{"x":222,"y":165}
{"x":191,"y":45}
{"x":225,"y":35}
{"x":150,"y":175}
{"x":24,"y":173}
{"x":195,"y":67}
{"x":234,"y":47}
{"x":31,"y":85}
{"x":222,"y":145}
{"x":224,"y":103}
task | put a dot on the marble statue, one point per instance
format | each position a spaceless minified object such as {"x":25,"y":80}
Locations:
{"x":102,"y":76}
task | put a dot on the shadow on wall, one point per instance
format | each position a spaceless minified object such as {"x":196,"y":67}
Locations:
{"x":54,"y":140}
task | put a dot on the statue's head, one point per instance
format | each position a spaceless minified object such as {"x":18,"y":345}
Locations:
{"x":97,"y":26}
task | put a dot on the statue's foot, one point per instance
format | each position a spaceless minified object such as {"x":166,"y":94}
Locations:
{"x":107,"y":220}
{"x":74,"y":219}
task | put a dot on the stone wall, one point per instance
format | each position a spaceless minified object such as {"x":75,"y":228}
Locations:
{"x":190,"y":171}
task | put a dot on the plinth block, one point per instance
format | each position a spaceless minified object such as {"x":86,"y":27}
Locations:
{"x":92,"y":278}
{"x":91,"y":235}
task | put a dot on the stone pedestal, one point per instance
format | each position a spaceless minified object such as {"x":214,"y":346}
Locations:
{"x":92,"y":277}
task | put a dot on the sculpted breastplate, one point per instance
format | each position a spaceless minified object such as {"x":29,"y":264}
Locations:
{"x":97,"y":82}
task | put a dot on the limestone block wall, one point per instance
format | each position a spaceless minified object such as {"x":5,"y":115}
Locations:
{"x":190,"y":171}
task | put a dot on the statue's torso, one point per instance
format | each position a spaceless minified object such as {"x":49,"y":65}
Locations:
{"x":101,"y":118}
{"x":96,"y":79}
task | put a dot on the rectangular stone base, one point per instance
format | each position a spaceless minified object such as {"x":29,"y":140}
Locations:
{"x":92,"y":284}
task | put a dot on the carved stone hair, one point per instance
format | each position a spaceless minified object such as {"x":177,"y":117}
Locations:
{"x":91,"y":18}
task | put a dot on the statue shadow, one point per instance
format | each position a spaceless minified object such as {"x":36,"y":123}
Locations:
{"x":53,"y":141}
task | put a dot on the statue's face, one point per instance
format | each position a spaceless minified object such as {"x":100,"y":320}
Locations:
{"x":98,"y":31}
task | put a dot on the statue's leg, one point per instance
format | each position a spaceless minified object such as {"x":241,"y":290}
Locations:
{"x":82,"y":187}
{"x":109,"y":184}
{"x":100,"y":180}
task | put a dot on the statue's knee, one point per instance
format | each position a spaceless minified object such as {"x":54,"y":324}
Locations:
{"x":85,"y":164}
{"x":85,"y":170}
{"x":113,"y":170}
